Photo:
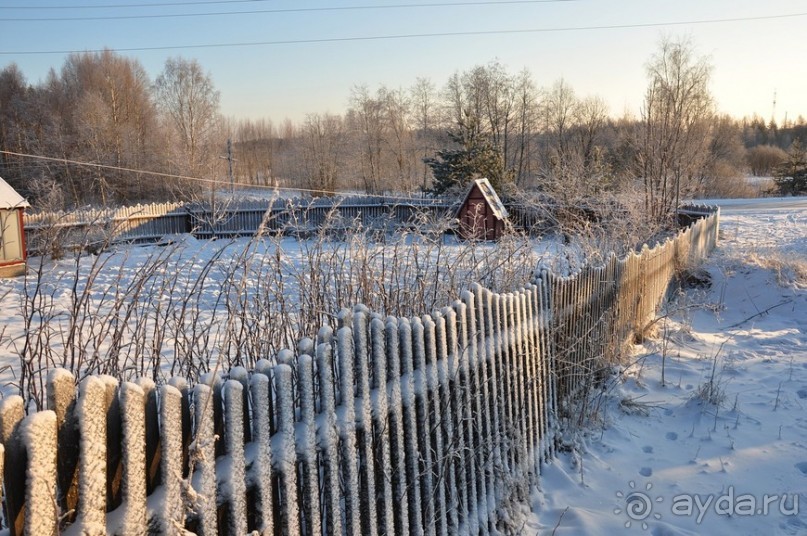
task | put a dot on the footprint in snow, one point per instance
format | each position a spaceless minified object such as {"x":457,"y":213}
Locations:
{"x":646,"y":471}
{"x":672,"y":436}
{"x":647,"y":449}
{"x":802,"y":393}
{"x":802,"y":466}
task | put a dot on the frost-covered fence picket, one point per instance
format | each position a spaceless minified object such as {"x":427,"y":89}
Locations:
{"x":425,"y":425}
{"x":388,"y":426}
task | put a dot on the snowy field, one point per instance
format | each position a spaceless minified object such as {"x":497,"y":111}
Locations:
{"x":186,"y":306}
{"x":720,"y":447}
{"x":717,"y":445}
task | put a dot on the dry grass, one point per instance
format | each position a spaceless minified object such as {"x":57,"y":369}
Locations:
{"x":790,"y":268}
{"x":169,"y":311}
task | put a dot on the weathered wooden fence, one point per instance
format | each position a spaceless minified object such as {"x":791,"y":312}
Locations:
{"x":600,"y":309}
{"x":142,"y":223}
{"x":423,"y":425}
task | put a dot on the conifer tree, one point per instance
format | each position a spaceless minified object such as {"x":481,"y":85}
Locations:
{"x":474,"y":155}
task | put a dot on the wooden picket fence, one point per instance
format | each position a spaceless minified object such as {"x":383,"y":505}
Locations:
{"x":426,"y":425}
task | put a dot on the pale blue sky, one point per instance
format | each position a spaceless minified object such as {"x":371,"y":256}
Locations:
{"x":751,"y":59}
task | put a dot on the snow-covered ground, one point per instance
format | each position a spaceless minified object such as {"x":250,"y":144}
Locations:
{"x":178,"y":307}
{"x":661,"y":458}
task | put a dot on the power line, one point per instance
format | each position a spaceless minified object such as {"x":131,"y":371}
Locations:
{"x":411,"y":36}
{"x":156,"y":4}
{"x":193,"y":179}
{"x":285,"y":10}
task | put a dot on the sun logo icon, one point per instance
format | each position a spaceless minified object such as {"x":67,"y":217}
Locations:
{"x":638,"y":505}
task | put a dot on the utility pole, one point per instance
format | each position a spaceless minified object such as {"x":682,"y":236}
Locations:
{"x":230,"y":164}
{"x":230,"y":159}
{"x":773,"y":112}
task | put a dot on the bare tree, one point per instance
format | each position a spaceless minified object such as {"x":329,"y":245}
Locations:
{"x":499,"y":106}
{"x":763,"y":159}
{"x":185,"y":93}
{"x":559,"y":108}
{"x":367,"y":114}
{"x":399,"y":137}
{"x":674,"y":137}
{"x":323,"y":142}
{"x":424,"y":109}
{"x":722,"y":173}
{"x":254,"y":142}
{"x":526,"y":118}
{"x":114,"y":119}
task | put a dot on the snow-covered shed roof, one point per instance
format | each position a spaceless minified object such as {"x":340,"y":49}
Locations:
{"x":490,"y":195}
{"x":9,"y":198}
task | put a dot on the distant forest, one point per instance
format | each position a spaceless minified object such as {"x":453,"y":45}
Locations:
{"x":102,"y":108}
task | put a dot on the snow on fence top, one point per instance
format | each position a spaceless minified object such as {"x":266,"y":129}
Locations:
{"x":387,"y":426}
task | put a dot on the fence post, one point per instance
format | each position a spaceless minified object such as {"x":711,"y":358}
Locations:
{"x":535,"y":390}
{"x":259,"y":389}
{"x":12,"y":411}
{"x":484,"y":387}
{"x":447,"y":453}
{"x":382,"y":426}
{"x":524,"y":383}
{"x":505,"y":365}
{"x":417,"y":523}
{"x":307,"y":450}
{"x":234,"y":442}
{"x":62,"y":400}
{"x":347,"y":430}
{"x":38,"y":433}
{"x":425,"y":475}
{"x":241,"y":375}
{"x":329,"y":436}
{"x":182,"y":386}
{"x":465,"y":413}
{"x":494,"y":400}
{"x":546,"y":305}
{"x":172,"y":512}
{"x":394,"y":379}
{"x":203,"y":456}
{"x":153,"y":455}
{"x":457,"y":437}
{"x":285,"y":458}
{"x":133,"y":406}
{"x":364,"y":428}
{"x":92,"y":476}
{"x":114,"y":468}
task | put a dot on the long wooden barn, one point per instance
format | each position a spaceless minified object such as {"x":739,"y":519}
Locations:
{"x":13,"y":253}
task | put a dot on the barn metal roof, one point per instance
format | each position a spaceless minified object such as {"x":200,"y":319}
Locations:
{"x":9,"y":198}
{"x":491,"y":197}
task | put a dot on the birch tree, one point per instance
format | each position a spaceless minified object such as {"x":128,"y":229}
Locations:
{"x":674,"y":129}
{"x":187,"y":96}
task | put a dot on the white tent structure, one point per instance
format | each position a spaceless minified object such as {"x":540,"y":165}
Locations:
{"x":13,"y":254}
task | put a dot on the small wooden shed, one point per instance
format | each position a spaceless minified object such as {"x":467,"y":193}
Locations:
{"x":13,"y":254}
{"x":482,"y":214}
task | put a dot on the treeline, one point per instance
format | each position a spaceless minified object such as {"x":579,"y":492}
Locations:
{"x":102,"y":108}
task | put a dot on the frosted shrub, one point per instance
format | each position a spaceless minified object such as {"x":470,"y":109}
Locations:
{"x":184,"y":307}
